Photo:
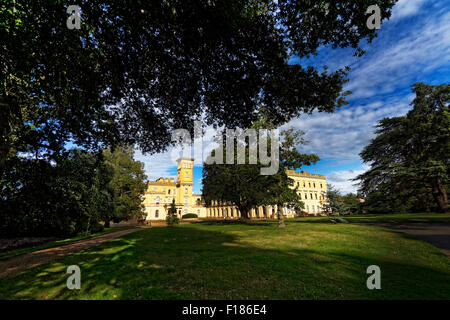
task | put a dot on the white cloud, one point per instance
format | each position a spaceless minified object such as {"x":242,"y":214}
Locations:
{"x":342,"y":180}
{"x":395,"y":65}
{"x":343,"y":134}
{"x":405,"y":8}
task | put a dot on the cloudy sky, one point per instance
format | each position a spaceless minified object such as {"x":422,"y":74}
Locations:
{"x":413,"y":46}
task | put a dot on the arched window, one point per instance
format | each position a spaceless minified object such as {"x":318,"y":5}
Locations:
{"x":304,"y":185}
{"x":314,"y":184}
{"x":168,"y":191}
{"x":306,"y":196}
{"x":156,"y":213}
{"x":320,"y":185}
{"x":309,"y":184}
{"x":316,"y":195}
{"x":311,"y":196}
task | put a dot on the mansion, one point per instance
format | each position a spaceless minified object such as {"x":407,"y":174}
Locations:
{"x":312,"y":189}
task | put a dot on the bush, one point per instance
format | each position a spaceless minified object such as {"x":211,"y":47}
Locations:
{"x":189,"y":216}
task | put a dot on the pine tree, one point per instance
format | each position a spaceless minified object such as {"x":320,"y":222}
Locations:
{"x":171,"y":217}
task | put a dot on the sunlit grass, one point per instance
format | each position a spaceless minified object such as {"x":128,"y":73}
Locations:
{"x":252,"y":261}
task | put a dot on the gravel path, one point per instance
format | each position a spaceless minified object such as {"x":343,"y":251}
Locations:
{"x":14,"y":265}
{"x":438,"y":234}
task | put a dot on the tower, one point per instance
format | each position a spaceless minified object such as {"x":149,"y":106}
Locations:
{"x":185,"y":181}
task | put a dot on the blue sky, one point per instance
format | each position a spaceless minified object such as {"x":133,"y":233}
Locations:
{"x":413,"y":46}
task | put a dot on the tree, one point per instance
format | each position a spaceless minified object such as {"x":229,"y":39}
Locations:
{"x":136,"y":70}
{"x":172,"y":217}
{"x":334,"y":203}
{"x":59,"y":199}
{"x":243,"y":185}
{"x":409,"y":157}
{"x":127,"y":184}
{"x":281,"y":191}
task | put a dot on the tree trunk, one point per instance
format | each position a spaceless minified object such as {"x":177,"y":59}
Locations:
{"x":244,"y":213}
{"x":280,"y":216}
{"x":107,"y":223}
{"x":440,"y":195}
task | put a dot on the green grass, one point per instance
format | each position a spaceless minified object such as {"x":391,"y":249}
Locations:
{"x":50,"y":244}
{"x":392,"y":218}
{"x":253,"y":261}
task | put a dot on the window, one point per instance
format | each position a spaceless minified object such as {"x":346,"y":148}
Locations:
{"x":187,"y":174}
{"x":313,"y":209}
{"x":300,"y":195}
{"x":318,"y":209}
{"x":311,"y":196}
{"x":304,"y":185}
{"x":309,"y":184}
{"x":156,"y":213}
{"x":307,"y":208}
{"x":168,"y":191}
{"x":158,"y":200}
{"x":316,"y":196}
{"x":186,"y":190}
{"x":186,"y":200}
{"x":314,"y":184}
{"x":198,"y":212}
{"x":306,"y":196}
{"x":321,"y":186}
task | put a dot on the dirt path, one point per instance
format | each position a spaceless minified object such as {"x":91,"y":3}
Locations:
{"x":14,"y":265}
{"x":438,"y":234}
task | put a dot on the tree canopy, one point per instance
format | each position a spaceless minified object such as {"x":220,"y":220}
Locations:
{"x":409,"y":157}
{"x":136,"y":70}
{"x":244,"y":186}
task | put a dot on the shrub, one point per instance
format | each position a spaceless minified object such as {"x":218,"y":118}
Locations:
{"x":189,"y":215}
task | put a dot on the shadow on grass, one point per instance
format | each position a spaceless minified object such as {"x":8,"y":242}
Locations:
{"x":190,"y":262}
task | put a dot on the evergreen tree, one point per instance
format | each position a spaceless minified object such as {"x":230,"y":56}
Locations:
{"x":410,"y":156}
{"x":127,"y":184}
{"x":172,"y":217}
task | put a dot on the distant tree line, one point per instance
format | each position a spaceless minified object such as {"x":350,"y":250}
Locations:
{"x":42,"y":198}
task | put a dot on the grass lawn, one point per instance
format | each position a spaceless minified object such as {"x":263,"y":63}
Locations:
{"x":252,"y":261}
{"x":394,"y":218}
{"x":50,"y":244}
